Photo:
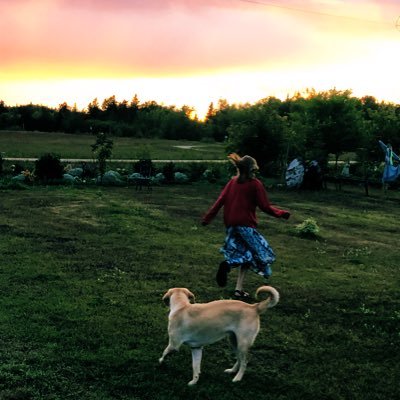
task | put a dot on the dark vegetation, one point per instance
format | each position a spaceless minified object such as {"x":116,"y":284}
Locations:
{"x":314,"y":126}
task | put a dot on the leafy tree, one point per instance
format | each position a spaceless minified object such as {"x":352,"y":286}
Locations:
{"x":102,"y":150}
{"x":260,"y":134}
{"x":94,"y":111}
{"x":3,"y":108}
{"x":336,"y":124}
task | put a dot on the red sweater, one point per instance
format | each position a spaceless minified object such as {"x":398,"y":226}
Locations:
{"x":240,"y":201}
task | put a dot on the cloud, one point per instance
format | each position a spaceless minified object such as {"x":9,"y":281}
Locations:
{"x":130,"y":38}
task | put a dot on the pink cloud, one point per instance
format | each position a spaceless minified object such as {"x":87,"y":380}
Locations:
{"x":167,"y":36}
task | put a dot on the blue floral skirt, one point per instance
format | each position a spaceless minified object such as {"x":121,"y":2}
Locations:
{"x":244,"y":245}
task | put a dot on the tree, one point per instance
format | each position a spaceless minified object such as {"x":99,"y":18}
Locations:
{"x":260,"y":134}
{"x":102,"y":150}
{"x":335,"y":121}
{"x":94,"y":110}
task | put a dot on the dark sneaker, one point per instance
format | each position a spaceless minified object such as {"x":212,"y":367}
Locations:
{"x":222,"y":274}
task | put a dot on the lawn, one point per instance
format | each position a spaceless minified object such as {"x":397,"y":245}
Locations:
{"x":35,"y":144}
{"x":83,"y":271}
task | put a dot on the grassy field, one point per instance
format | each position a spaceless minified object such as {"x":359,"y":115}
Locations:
{"x":34,"y":144}
{"x":83,"y":271}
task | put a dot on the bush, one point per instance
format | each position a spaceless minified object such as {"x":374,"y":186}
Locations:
{"x":180,"y":177}
{"x":308,"y":228}
{"x":169,"y":172}
{"x":17,"y":168}
{"x":14,"y":184}
{"x":195,"y":171}
{"x":159,"y":178}
{"x":49,"y":168}
{"x":112,"y":178}
{"x":144,"y":167}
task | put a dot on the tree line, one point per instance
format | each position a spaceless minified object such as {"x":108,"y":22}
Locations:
{"x":311,"y":125}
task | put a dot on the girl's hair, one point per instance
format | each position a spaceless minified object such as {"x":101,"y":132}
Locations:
{"x":246,"y":166}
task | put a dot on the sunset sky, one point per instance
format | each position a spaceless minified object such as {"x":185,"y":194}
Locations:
{"x":193,"y":52}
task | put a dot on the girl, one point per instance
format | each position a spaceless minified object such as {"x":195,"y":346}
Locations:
{"x":244,"y":246}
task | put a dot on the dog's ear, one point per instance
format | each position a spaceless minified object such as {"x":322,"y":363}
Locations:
{"x":190,"y":295}
{"x":166,"y":298}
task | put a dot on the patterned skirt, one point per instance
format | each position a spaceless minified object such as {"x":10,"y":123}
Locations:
{"x":244,"y":245}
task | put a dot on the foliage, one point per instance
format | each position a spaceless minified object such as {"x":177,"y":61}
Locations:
{"x":211,"y":174}
{"x":145,"y":167}
{"x":195,"y":170}
{"x":102,"y":150}
{"x":49,"y":168}
{"x":180,"y":177}
{"x":17,"y":168}
{"x":260,"y":134}
{"x":168,"y":171}
{"x":313,"y":125}
{"x":308,"y":228}
{"x":1,"y":164}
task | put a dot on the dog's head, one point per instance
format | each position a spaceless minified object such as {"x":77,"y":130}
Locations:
{"x":178,"y":293}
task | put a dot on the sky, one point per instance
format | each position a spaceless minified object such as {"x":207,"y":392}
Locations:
{"x":194,"y":52}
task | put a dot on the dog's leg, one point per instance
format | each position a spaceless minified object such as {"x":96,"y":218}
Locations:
{"x":242,"y":361}
{"x":196,"y":363}
{"x":233,"y":341}
{"x":168,"y":349}
{"x":234,"y":369}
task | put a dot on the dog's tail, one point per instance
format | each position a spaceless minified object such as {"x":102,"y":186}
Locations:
{"x":271,"y":301}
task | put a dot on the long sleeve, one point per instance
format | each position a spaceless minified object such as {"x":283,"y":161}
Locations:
{"x":264,"y":204}
{"x":213,"y":211}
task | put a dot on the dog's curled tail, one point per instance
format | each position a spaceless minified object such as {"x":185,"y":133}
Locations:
{"x":271,"y":301}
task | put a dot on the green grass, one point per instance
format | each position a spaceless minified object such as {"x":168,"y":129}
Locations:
{"x":35,"y":144}
{"x":83,"y":271}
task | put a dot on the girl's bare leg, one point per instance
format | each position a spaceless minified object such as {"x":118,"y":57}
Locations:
{"x":242,"y":273}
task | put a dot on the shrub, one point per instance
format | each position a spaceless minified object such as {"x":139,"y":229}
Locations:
{"x":144,"y":167}
{"x":180,"y":177}
{"x":159,"y":178}
{"x":169,"y":172}
{"x":14,"y":184}
{"x":195,"y":171}
{"x":17,"y":168}
{"x":49,"y":168}
{"x":112,"y":178}
{"x":219,"y":172}
{"x":212,"y":174}
{"x":308,"y":228}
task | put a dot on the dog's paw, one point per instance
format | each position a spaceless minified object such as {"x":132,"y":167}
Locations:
{"x":193,"y":382}
{"x":237,"y":379}
{"x":230,"y":371}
